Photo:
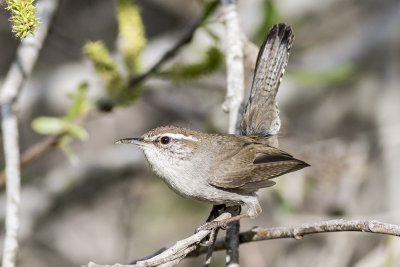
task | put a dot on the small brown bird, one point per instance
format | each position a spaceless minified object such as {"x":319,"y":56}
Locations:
{"x":225,"y":168}
{"x":214,"y":168}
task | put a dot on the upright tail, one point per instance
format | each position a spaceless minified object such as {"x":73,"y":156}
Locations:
{"x":261,"y":116}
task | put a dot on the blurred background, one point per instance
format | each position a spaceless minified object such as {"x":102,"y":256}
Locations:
{"x":339,"y":103}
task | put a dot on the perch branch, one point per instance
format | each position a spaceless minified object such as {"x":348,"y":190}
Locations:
{"x":21,"y":68}
{"x":190,"y":246}
{"x":300,"y":230}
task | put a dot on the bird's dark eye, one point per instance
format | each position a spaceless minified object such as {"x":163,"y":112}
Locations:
{"x":164,"y":140}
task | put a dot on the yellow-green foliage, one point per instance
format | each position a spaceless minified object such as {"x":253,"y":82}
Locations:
{"x":67,"y":124}
{"x":67,"y":127}
{"x":271,"y":16}
{"x":209,"y":64}
{"x":23,"y":17}
{"x":334,"y":75}
{"x":132,"y":40}
{"x":131,"y":34}
{"x":105,"y":66}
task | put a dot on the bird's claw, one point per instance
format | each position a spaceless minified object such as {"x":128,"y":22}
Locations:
{"x":211,"y":226}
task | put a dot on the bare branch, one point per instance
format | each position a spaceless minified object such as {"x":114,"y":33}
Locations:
{"x":339,"y":225}
{"x":298,"y":231}
{"x":233,"y":101}
{"x":21,"y":68}
{"x":189,"y":247}
{"x":234,"y":64}
{"x":11,"y":151}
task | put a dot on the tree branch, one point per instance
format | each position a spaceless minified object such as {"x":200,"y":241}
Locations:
{"x":234,"y":64}
{"x":300,"y":230}
{"x":190,"y":247}
{"x":21,"y":68}
{"x":233,"y":101}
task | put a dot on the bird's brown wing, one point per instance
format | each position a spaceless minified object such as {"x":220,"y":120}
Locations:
{"x":252,"y":166}
{"x":261,"y":115}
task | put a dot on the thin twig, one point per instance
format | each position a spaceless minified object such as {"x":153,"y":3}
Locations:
{"x":21,"y":68}
{"x":170,"y":53}
{"x":186,"y":38}
{"x":32,"y":153}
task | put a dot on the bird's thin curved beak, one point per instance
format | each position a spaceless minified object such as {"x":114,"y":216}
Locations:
{"x":135,"y":141}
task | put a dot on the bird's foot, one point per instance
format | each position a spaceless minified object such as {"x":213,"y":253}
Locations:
{"x":220,"y":224}
{"x":211,"y":226}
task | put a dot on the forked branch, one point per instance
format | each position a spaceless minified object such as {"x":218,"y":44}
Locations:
{"x":190,"y":246}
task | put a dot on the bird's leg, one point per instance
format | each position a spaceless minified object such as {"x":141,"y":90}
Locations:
{"x":217,"y":224}
{"x":214,"y":213}
{"x":253,"y":210}
{"x":210,"y":250}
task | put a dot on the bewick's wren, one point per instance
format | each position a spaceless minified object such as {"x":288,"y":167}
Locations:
{"x":215,"y":168}
{"x":223,"y":168}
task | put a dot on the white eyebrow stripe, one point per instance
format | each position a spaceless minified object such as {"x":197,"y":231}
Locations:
{"x":176,"y":136}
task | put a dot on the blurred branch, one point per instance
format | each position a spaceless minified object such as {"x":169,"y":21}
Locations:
{"x":21,"y":68}
{"x":174,"y":254}
{"x":170,"y":53}
{"x":234,"y":63}
{"x":185,"y":38}
{"x":33,"y":152}
{"x":233,"y":101}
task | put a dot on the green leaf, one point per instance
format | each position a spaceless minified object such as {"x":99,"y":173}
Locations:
{"x":49,"y":125}
{"x":131,"y":36}
{"x":78,"y":132}
{"x":209,"y":8}
{"x":271,"y":16}
{"x":212,"y":61}
{"x":78,"y":106}
{"x":69,"y":153}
